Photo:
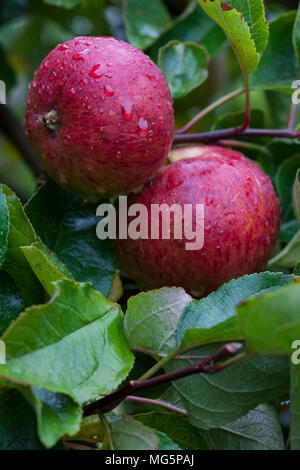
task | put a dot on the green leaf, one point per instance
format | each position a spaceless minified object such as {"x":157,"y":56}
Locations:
{"x":271,"y":323}
{"x":284,"y":180}
{"x":68,"y":4}
{"x":290,"y":255}
{"x":18,"y":429}
{"x":4,"y":226}
{"x":128,"y":434}
{"x":11,"y":302}
{"x":21,"y":233}
{"x":215,"y":400}
{"x":213,"y":318}
{"x":296,"y":36}
{"x":193,"y":26}
{"x":177,"y":427}
{"x":72,"y":345}
{"x":253,"y":12}
{"x":288,"y":230}
{"x":70,"y":231}
{"x":296,"y":196}
{"x":165,"y":443}
{"x":236,"y":30}
{"x":157,"y":312}
{"x":295,"y":407}
{"x":280,"y":150}
{"x":46,"y":266}
{"x":57,"y":414}
{"x":277,"y":67}
{"x":257,"y":430}
{"x":184,"y":66}
{"x":145,"y":21}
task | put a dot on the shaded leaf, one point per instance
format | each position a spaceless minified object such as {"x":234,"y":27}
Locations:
{"x":4,"y":226}
{"x":145,"y":21}
{"x":295,"y":407}
{"x":215,"y":400}
{"x":128,"y":434}
{"x":284,"y":180}
{"x":296,"y":36}
{"x":18,"y":429}
{"x":177,"y":427}
{"x":257,"y":430}
{"x":277,"y":67}
{"x":184,"y":66}
{"x":70,"y":231}
{"x":193,"y":26}
{"x":11,"y":302}
{"x":165,"y":443}
{"x":290,"y":255}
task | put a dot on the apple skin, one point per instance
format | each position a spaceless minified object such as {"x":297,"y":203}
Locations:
{"x":100,"y":116}
{"x":241,"y":222}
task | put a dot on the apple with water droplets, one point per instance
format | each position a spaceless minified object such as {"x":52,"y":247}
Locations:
{"x":100,"y":116}
{"x":241,"y":222}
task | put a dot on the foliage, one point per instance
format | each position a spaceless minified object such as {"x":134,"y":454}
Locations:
{"x":67,"y":340}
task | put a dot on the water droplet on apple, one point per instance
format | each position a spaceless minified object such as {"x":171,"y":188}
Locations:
{"x":127,"y":110}
{"x":142,"y":127}
{"x":108,"y":90}
{"x":93,"y":72}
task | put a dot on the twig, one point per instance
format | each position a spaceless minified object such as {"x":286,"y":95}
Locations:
{"x":208,"y":366}
{"x":149,"y":401}
{"x":11,"y":127}
{"x":208,"y":109}
{"x":215,"y":136}
{"x":291,"y":116}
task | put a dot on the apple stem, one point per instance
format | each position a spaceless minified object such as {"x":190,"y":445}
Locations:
{"x":209,"y":365}
{"x":50,"y":120}
{"x":211,"y":107}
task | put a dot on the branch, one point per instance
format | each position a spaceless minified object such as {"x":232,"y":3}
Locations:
{"x":11,"y":127}
{"x":214,"y":136}
{"x":207,"y":366}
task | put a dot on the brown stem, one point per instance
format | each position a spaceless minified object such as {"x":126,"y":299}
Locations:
{"x":11,"y":127}
{"x":149,"y":401}
{"x":291,"y":117}
{"x":207,"y":366}
{"x":214,"y":136}
{"x":211,"y":107}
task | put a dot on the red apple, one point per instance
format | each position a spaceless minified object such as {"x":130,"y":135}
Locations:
{"x":241,"y":222}
{"x":100,"y":116}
